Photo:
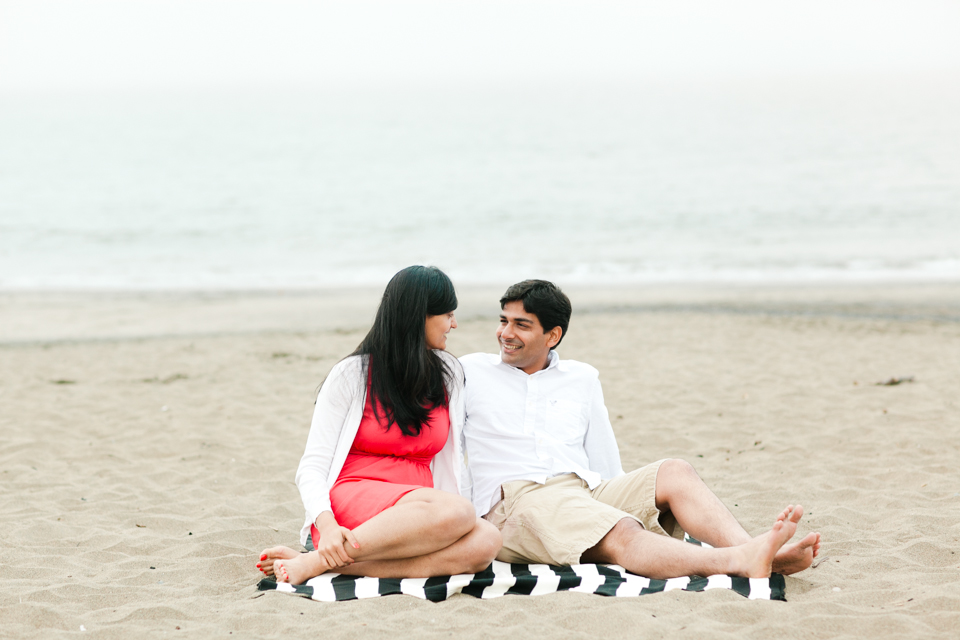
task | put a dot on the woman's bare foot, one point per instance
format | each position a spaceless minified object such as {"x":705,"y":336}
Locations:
{"x":299,"y":569}
{"x":271,"y":555}
{"x":755,"y":558}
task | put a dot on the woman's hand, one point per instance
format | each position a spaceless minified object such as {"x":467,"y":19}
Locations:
{"x":332,"y":536}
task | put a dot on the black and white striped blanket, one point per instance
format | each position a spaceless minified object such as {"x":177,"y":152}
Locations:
{"x":501,"y":578}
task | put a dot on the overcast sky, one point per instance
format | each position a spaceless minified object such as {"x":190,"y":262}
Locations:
{"x":87,"y":44}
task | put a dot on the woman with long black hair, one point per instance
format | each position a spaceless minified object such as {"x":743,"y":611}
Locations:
{"x":381,"y":472}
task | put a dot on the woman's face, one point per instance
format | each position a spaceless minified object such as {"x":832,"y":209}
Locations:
{"x":437,"y":328}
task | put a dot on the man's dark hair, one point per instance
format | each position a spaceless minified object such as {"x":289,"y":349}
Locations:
{"x":544,"y":300}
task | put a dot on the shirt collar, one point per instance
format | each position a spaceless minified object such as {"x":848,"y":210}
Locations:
{"x":553,"y":362}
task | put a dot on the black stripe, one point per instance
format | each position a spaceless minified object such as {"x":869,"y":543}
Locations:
{"x":568,"y":578}
{"x":741,"y":585}
{"x":344,"y":587}
{"x":691,"y":540}
{"x":697,"y":583}
{"x":655,"y":586}
{"x":612,"y":581}
{"x":389,"y":586}
{"x":436,"y":588}
{"x":525,"y":581}
{"x":480,"y":582}
{"x":778,"y":587}
{"x":266,"y":584}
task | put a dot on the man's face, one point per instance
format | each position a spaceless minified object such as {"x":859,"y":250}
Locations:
{"x":523,"y":344}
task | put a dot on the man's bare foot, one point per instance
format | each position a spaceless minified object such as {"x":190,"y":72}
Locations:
{"x":299,"y":569}
{"x":755,"y":558}
{"x":797,"y":556}
{"x":271,"y":555}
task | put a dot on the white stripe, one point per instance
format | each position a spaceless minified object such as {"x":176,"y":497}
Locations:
{"x":322,"y":587}
{"x":590,"y":578}
{"x":367,"y":588}
{"x":547,"y":579}
{"x":634,"y":584}
{"x":413,"y":587}
{"x":676,"y":583}
{"x":456,"y":583}
{"x":503,"y":579}
{"x":719,"y":581}
{"x":760,"y":589}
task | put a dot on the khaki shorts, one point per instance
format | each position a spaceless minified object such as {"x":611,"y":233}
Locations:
{"x":555,"y":522}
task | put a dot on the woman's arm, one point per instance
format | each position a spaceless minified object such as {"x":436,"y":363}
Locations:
{"x":332,"y":537}
{"x":447,"y":466}
{"x":329,"y":417}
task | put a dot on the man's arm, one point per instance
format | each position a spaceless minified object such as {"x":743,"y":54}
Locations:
{"x":600,"y":444}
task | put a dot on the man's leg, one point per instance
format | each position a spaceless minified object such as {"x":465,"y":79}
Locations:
{"x":550,"y":523}
{"x":681,"y":493}
{"x":564,"y":522}
{"x":699,"y":512}
{"x":653,"y":555}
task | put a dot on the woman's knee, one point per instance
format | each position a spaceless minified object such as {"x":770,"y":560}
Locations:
{"x":492,"y":541}
{"x":485,"y":543}
{"x":458,"y":515}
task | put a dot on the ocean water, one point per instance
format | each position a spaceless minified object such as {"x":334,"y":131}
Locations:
{"x":801,"y":180}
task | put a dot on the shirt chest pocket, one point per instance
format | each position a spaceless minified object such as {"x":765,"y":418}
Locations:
{"x":563,"y":420}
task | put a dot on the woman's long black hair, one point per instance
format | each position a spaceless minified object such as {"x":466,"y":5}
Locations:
{"x":407,"y":378}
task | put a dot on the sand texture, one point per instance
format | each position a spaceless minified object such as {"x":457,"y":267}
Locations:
{"x":145,"y":460}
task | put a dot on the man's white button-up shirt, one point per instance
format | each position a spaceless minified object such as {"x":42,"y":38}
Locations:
{"x":523,"y":426}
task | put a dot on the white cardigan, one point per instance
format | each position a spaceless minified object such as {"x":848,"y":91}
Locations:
{"x":336,"y":420}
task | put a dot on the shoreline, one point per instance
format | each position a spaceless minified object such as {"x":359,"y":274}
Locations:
{"x":32,"y":317}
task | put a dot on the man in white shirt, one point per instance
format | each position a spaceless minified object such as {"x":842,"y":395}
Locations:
{"x":544,"y":467}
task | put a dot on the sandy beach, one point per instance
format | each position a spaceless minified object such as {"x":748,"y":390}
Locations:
{"x":149,"y":444}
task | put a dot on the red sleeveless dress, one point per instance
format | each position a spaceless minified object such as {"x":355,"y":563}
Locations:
{"x":384,"y":465}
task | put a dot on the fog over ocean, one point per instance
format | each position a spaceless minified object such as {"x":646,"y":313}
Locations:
{"x":770,"y":181}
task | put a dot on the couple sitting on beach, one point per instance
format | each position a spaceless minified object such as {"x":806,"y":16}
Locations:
{"x":388,"y":491}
